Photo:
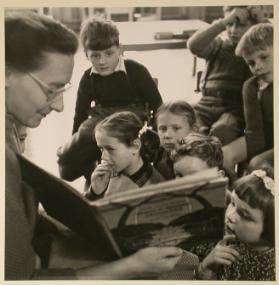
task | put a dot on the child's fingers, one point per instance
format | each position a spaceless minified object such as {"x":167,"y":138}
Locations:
{"x":229,"y":250}
{"x":226,"y":239}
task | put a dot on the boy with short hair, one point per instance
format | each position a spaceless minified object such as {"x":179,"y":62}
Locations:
{"x":220,"y":110}
{"x":197,"y":152}
{"x":256,"y":47}
{"x":112,"y":84}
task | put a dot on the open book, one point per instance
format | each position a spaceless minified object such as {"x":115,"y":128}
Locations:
{"x":181,"y":212}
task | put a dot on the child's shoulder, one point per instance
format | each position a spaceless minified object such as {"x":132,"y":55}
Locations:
{"x":132,"y":65}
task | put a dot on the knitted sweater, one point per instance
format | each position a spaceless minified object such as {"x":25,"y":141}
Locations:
{"x":258,"y":110}
{"x":116,"y":90}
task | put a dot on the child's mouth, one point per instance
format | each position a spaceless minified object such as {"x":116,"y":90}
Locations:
{"x":228,"y":230}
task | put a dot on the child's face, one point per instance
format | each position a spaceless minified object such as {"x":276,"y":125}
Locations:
{"x":171,"y":129}
{"x":188,"y":165}
{"x":261,"y":64}
{"x":117,"y":154}
{"x":236,"y":30}
{"x":243,"y":221}
{"x":104,"y":61}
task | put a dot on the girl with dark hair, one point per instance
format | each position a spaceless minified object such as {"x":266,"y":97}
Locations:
{"x":126,"y":146}
{"x":247,"y":250}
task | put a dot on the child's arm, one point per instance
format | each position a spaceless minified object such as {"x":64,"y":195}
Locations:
{"x":222,"y":254}
{"x":82,"y":103}
{"x":234,"y":153}
{"x":203,"y":43}
{"x":149,"y":90}
{"x":254,"y":130}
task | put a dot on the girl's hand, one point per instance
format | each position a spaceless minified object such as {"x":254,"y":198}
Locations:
{"x":222,"y":254}
{"x":241,"y":14}
{"x":152,"y":261}
{"x":100,"y":177}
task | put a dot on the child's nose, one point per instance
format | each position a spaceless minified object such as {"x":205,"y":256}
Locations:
{"x":230,"y":215}
{"x":104,"y":155}
{"x":103,"y":59}
{"x":167,"y":133}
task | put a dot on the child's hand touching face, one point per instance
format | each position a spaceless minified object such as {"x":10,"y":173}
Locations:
{"x":222,"y":254}
{"x":237,"y":22}
{"x":101,"y":176}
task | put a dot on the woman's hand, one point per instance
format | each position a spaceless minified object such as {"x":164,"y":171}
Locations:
{"x":222,"y":254}
{"x":152,"y":261}
{"x":100,"y":177}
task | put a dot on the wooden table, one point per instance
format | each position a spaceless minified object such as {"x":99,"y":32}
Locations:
{"x":140,"y":35}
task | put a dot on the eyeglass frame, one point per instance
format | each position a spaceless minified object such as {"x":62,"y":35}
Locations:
{"x":48,"y":91}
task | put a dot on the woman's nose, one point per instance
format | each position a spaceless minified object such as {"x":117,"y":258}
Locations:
{"x":58,"y":104}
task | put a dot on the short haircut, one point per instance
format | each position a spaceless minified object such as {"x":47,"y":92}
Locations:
{"x":180,"y":108}
{"x":251,"y":189}
{"x":98,"y":34}
{"x":252,"y":19}
{"x":256,"y":38}
{"x":29,"y":35}
{"x":207,"y":148}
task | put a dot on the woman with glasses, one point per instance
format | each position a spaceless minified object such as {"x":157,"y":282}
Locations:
{"x":39,"y":55}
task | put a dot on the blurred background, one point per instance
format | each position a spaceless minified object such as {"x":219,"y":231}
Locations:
{"x":167,"y":59}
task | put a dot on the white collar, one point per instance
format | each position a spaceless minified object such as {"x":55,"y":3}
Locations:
{"x":119,"y":67}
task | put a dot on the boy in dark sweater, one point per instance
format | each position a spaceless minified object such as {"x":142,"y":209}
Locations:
{"x":112,"y":84}
{"x":220,"y":110}
{"x":257,"y":144}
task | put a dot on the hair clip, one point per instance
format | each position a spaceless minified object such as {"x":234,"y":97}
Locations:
{"x":143,"y":129}
{"x":268,"y":182}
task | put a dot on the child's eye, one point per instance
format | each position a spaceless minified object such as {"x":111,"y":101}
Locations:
{"x":162,"y":128}
{"x":263,"y":57}
{"x":176,"y":128}
{"x":251,"y":63}
{"x":95,"y":56}
{"x":109,"y":53}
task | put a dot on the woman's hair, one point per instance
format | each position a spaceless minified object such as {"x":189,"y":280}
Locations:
{"x":180,"y":108}
{"x":98,"y":34}
{"x":256,"y":38}
{"x":29,"y":35}
{"x":126,"y":127}
{"x":207,"y":148}
{"x":252,"y":190}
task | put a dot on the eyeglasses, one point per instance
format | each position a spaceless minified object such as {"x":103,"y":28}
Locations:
{"x":50,"y":93}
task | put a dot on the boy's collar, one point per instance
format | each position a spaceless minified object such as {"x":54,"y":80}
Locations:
{"x":119,"y":67}
{"x":262,"y":84}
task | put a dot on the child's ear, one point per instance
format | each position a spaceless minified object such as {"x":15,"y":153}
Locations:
{"x":137,"y":145}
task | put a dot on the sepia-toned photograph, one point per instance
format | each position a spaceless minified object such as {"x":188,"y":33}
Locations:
{"x":139,"y":143}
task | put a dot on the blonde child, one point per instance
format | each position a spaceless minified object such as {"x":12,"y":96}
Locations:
{"x":247,"y":249}
{"x":197,"y":152}
{"x":127,"y":148}
{"x":174,"y":121}
{"x":256,"y":47}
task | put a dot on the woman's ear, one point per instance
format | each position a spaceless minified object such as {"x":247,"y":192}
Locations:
{"x":136,"y":145}
{"x":221,"y":173}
